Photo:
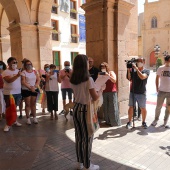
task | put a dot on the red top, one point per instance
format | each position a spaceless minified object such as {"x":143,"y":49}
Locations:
{"x":110,"y":87}
{"x":1,"y":82}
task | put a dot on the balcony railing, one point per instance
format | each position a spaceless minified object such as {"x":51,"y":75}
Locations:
{"x":54,"y":9}
{"x":73,"y":13}
{"x":74,"y":39}
{"x":55,"y":37}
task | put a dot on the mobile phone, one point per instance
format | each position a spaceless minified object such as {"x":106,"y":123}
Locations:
{"x":44,"y":76}
{"x":102,"y":73}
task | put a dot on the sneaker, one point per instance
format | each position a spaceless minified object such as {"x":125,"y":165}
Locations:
{"x":35,"y":120}
{"x":79,"y":166}
{"x":129,"y":125}
{"x":6,"y":128}
{"x":20,"y":116}
{"x":28,"y":121}
{"x":62,"y":112}
{"x":139,"y":118}
{"x":93,"y":167}
{"x":17,"y":124}
{"x":144,"y":125}
{"x":154,"y":123}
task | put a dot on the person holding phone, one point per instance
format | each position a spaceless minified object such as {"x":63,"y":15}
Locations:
{"x":12,"y":86}
{"x":66,"y":89}
{"x":51,"y":88}
{"x":110,"y":101}
{"x":30,"y":81}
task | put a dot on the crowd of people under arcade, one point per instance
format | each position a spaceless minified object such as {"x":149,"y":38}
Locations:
{"x":24,"y":85}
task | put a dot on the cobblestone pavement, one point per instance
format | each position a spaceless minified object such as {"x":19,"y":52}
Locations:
{"x":50,"y":145}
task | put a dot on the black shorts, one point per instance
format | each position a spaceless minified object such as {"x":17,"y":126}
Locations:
{"x":28,"y":93}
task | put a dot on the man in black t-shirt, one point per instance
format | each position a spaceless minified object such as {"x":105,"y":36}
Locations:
{"x":138,"y":86}
{"x":93,"y":70}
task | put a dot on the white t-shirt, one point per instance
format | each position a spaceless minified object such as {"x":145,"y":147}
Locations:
{"x":81,"y":91}
{"x":30,"y":78}
{"x":52,"y":84}
{"x":164,"y":73}
{"x":14,"y":87}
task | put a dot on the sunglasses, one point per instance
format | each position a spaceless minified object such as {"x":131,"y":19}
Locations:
{"x":15,"y":62}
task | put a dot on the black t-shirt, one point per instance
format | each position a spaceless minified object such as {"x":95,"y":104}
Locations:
{"x":94,"y":73}
{"x":139,"y":85}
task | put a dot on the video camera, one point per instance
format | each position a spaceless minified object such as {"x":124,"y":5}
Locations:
{"x":130,"y":62}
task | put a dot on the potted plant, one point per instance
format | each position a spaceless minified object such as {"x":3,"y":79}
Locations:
{"x":73,"y":10}
{"x":75,"y":35}
{"x":54,"y":31}
{"x":158,"y":63}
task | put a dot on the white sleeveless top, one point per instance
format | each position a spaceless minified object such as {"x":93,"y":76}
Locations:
{"x":30,"y":78}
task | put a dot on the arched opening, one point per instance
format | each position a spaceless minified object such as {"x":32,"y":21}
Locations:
{"x":152,"y":59}
{"x":154,"y":22}
{"x":5,"y":37}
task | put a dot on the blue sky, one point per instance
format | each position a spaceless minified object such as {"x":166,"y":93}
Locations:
{"x":140,"y":5}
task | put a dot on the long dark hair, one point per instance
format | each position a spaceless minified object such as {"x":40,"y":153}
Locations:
{"x":80,"y":70}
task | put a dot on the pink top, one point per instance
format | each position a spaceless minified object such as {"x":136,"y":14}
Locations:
{"x":65,"y":82}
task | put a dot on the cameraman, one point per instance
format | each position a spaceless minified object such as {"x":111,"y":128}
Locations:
{"x":138,"y":83}
{"x":65,"y":75}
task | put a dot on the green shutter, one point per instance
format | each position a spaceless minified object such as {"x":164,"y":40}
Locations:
{"x":56,"y":59}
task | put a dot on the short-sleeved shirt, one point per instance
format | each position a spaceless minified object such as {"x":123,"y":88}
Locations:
{"x":30,"y":78}
{"x":139,"y":84}
{"x":81,"y":91}
{"x":94,"y":73}
{"x":15,"y":86}
{"x":52,"y":84}
{"x":164,"y":73}
{"x":65,"y":82}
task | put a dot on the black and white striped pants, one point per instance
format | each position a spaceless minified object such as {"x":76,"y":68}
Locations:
{"x":83,"y":142}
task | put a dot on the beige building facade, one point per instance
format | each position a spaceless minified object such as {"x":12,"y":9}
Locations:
{"x":154,"y":29}
{"x":30,"y":30}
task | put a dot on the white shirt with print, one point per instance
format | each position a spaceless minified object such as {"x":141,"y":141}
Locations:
{"x":15,"y":86}
{"x":164,"y":73}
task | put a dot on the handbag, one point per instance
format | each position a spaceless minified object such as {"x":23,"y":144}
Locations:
{"x":91,"y":116}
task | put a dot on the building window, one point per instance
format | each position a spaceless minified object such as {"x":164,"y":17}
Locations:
{"x":73,"y":55}
{"x":54,"y":24}
{"x":56,"y":59}
{"x":74,"y":35}
{"x":73,"y":11}
{"x":54,"y":7}
{"x":154,"y":22}
{"x":54,"y":10}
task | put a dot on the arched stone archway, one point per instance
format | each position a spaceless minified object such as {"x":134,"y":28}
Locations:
{"x":5,"y":37}
{"x":30,"y":29}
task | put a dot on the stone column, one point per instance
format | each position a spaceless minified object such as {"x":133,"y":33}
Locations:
{"x":110,"y":27}
{"x":45,"y":45}
{"x":5,"y":48}
{"x":24,"y":43}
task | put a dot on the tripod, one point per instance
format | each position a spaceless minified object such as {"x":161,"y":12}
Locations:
{"x":133,"y":96}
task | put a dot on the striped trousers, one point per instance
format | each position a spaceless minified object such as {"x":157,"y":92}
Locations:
{"x":83,"y":142}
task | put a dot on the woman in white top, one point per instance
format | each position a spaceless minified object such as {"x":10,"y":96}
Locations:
{"x":82,"y":84}
{"x":30,"y":82}
{"x":51,"y":88}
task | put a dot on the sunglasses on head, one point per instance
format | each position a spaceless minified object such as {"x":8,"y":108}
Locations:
{"x":15,"y":62}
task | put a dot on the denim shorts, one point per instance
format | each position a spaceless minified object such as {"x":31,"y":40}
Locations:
{"x":67,"y":90}
{"x":140,"y":98}
{"x":17,"y":98}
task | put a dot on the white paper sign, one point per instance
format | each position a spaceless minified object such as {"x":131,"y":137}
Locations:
{"x":100,"y":81}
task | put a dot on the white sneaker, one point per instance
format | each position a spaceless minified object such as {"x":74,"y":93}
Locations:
{"x":28,"y":121}
{"x":154,"y":123}
{"x":35,"y":120}
{"x":17,"y":124}
{"x":93,"y":167}
{"x":6,"y":128}
{"x":79,"y":166}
